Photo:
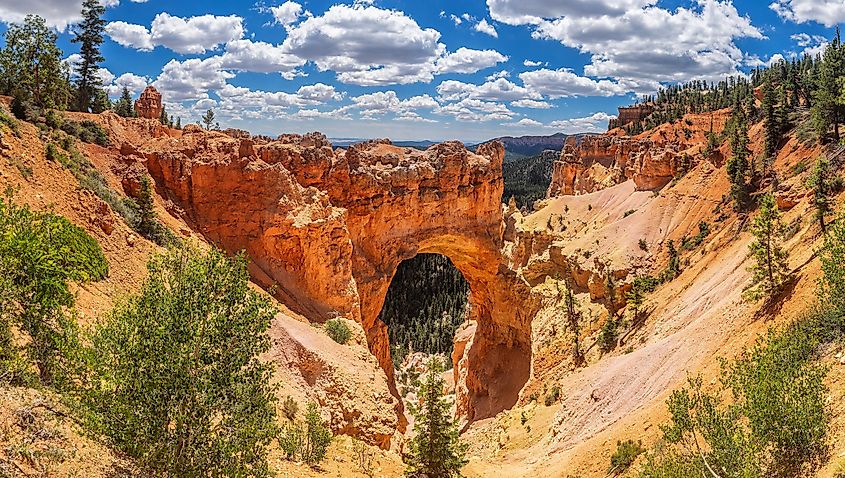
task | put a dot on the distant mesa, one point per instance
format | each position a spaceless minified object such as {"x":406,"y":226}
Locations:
{"x":630,"y":114}
{"x":148,"y":105}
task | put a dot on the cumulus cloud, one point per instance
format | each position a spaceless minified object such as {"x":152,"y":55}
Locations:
{"x":367,"y":45}
{"x":56,"y":13}
{"x":182,"y":35}
{"x":595,"y":123}
{"x":531,"y":63}
{"x":499,"y":89}
{"x":497,"y":75}
{"x":486,"y":28}
{"x":563,"y":83}
{"x":827,"y":12}
{"x":465,"y":60}
{"x":475,"y":110}
{"x":812,"y":44}
{"x":287,"y":13}
{"x":257,"y":56}
{"x":384,"y":102}
{"x":192,"y":79}
{"x":134,"y":83}
{"x":534,"y":104}
{"x":636,"y":42}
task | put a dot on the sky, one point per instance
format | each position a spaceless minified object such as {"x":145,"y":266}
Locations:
{"x":429,"y":69}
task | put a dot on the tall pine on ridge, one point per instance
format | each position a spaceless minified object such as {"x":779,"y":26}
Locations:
{"x":89,"y":35}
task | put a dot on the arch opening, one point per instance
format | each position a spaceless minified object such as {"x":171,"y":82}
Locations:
{"x":426,"y":302}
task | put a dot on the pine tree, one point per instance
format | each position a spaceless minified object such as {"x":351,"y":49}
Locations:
{"x":90,"y":36}
{"x":208,"y":119}
{"x":164,"y":118}
{"x":770,"y":270}
{"x":436,"y":450}
{"x":123,"y":106}
{"x":824,"y":183}
{"x":738,"y":165}
{"x":179,"y":122}
{"x":147,"y":222}
{"x":30,"y":65}
{"x":825,"y":110}
{"x":573,"y":318}
{"x":772,"y":127}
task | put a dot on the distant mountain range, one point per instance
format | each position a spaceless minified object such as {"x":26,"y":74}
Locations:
{"x":516,"y":145}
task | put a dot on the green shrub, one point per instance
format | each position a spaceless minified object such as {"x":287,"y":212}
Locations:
{"x":552,"y":397}
{"x":338,"y":331}
{"x":9,"y":122}
{"x":173,"y":376}
{"x":643,"y":245}
{"x":290,"y":408}
{"x":40,"y":253}
{"x":308,"y":441}
{"x":629,"y":212}
{"x":609,"y":333}
{"x":87,"y":131}
{"x":626,"y":452}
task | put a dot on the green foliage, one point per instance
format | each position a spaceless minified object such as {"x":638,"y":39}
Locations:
{"x":31,"y":67}
{"x":673,"y":269}
{"x":626,"y":452}
{"x":832,"y":282}
{"x":425,"y":304}
{"x":308,"y":441}
{"x":629,"y":212}
{"x":552,"y":397}
{"x":643,"y":245}
{"x":770,"y":271}
{"x":436,"y":450}
{"x":172,"y":376}
{"x":40,"y":254}
{"x":573,"y":318}
{"x":695,"y":241}
{"x":824,"y":182}
{"x":290,"y":408}
{"x":10,"y":122}
{"x":826,"y":110}
{"x":147,"y":223}
{"x":89,"y":35}
{"x":208,"y":119}
{"x":338,"y":331}
{"x":774,"y":423}
{"x":739,"y":168}
{"x":609,"y":333}
{"x":527,"y":178}
{"x":635,"y":297}
{"x":124,"y":106}
{"x":87,"y":131}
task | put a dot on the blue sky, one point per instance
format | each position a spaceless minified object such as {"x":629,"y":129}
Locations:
{"x":435,"y":69}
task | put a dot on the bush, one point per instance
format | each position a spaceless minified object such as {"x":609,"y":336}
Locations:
{"x":290,"y":408}
{"x":552,"y":397}
{"x":608,"y":334}
{"x":9,"y":122}
{"x":338,"y":331}
{"x":643,"y":245}
{"x":308,"y":441}
{"x":87,"y":131}
{"x":40,"y":253}
{"x":626,"y":452}
{"x":173,"y":376}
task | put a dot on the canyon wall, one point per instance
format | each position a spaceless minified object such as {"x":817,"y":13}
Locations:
{"x":325,"y":231}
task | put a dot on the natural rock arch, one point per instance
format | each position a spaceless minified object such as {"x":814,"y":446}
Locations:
{"x":327,"y":229}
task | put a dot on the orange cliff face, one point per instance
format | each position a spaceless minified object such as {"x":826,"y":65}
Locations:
{"x":325,"y":231}
{"x":651,"y":159}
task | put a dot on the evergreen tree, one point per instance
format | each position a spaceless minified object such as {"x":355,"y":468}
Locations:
{"x":164,"y":118}
{"x":824,"y":183}
{"x":147,"y":222}
{"x":30,"y":65}
{"x":89,"y":35}
{"x":436,"y":450}
{"x":123,"y":106}
{"x":174,"y":377}
{"x":772,"y":127}
{"x":208,"y":119}
{"x":738,"y":166}
{"x":179,"y":122}
{"x":573,"y":318}
{"x":770,"y":270}
{"x":826,"y":110}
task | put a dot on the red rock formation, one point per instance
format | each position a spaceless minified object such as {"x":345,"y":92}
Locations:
{"x":327,"y":229}
{"x":148,"y":105}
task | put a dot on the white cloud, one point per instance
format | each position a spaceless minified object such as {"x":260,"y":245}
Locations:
{"x":191,"y":79}
{"x":532,"y":63}
{"x":130,"y":35}
{"x":486,"y":28}
{"x":497,"y":75}
{"x":497,"y":90}
{"x":56,"y":13}
{"x":182,"y":35}
{"x":595,"y":123}
{"x":636,"y":42}
{"x":367,"y":45}
{"x":471,"y":109}
{"x":383,"y":102}
{"x":526,"y":122}
{"x":564,"y":83}
{"x":319,"y":92}
{"x":134,"y":83}
{"x":541,"y":105}
{"x":287,"y":13}
{"x":465,"y":60}
{"x":261,"y":57}
{"x":827,"y":12}
{"x":812,"y":44}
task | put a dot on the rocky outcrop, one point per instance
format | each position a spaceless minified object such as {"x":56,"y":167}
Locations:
{"x":325,"y":231}
{"x":148,"y":105}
